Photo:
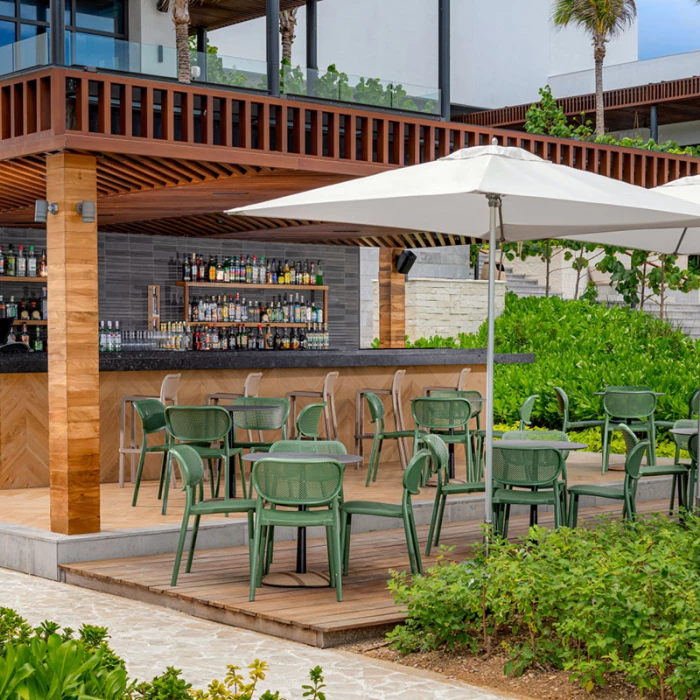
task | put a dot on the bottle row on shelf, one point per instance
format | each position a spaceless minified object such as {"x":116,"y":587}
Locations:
{"x":247,"y":270}
{"x":181,"y":337}
{"x":20,"y":265}
{"x":230,"y":309}
{"x":29,"y":309}
{"x":111,"y":337}
{"x":36,"y":344}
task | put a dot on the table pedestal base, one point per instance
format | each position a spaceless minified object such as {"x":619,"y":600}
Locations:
{"x":290,"y":579}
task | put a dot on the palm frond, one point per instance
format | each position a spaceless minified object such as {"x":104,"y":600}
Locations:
{"x":602,"y":18}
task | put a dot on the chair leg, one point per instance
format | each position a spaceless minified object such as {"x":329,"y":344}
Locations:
{"x":132,"y":442}
{"x":269,"y":548}
{"x":255,"y":559}
{"x":193,"y":543}
{"x":139,"y":473}
{"x":506,"y":520}
{"x":370,"y":466}
{"x":334,"y":417}
{"x":652,"y":441}
{"x":377,"y":457}
{"x":359,"y":423}
{"x":180,"y":545}
{"x":337,"y":556}
{"x":557,"y":509}
{"x":470,"y":465}
{"x":331,"y":558}
{"x":244,"y":484}
{"x":409,"y":543}
{"x":166,"y":484}
{"x":212,"y":488}
{"x":573,"y":510}
{"x":347,"y":529}
{"x":441,"y":517}
{"x":433,"y":520}
{"x":122,"y":445}
{"x":674,"y":485}
{"x":416,"y":543}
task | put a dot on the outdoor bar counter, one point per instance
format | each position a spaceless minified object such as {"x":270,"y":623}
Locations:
{"x":24,"y":458}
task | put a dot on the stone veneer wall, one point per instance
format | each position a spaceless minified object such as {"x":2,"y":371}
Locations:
{"x":443,"y":307}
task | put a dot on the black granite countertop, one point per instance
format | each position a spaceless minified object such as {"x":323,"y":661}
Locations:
{"x":177,"y":361}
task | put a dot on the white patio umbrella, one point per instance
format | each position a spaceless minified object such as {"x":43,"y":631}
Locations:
{"x":466,"y":192}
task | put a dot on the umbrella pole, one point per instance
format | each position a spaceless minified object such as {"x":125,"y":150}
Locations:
{"x":494,"y":206}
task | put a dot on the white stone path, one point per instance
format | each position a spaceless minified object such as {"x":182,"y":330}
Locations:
{"x":150,"y":638}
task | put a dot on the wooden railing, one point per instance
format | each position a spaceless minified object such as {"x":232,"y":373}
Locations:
{"x":653,"y":93}
{"x":170,"y":120}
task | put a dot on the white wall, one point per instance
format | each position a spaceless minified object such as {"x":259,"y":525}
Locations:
{"x":153,"y":29}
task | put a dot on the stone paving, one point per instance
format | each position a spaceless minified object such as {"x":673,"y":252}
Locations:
{"x":150,"y":638}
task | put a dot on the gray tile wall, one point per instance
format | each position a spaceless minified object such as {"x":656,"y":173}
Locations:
{"x":129,"y":263}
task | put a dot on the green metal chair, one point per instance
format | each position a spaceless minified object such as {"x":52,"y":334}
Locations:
{"x":693,"y":475}
{"x":411,"y":482}
{"x":152,"y":415}
{"x":376,"y":411}
{"x":634,"y":406}
{"x":567,"y":423}
{"x":205,"y":429}
{"x":518,"y":468}
{"x":524,"y":414}
{"x":545,"y":436}
{"x":192,"y":473}
{"x":293,"y":484}
{"x":439,"y":458}
{"x":693,"y":400}
{"x":626,"y":494}
{"x":450,"y":418}
{"x":309,"y":420}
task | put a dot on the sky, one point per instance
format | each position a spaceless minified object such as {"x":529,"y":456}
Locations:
{"x":668,"y":27}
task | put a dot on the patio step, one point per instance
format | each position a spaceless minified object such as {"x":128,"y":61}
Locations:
{"x":520,"y":284}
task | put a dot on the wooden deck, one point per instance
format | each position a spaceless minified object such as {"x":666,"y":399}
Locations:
{"x":217,"y":589}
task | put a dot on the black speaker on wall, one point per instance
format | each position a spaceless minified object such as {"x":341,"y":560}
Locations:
{"x":405,"y":262}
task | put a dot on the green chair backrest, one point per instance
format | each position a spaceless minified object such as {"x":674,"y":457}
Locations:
{"x":376,"y":407}
{"x":329,"y":447}
{"x":414,"y":470}
{"x":563,"y":403}
{"x":639,"y":404}
{"x":273,"y":419}
{"x":526,"y":410}
{"x":152,"y":414}
{"x":191,"y":466}
{"x":628,"y":388}
{"x":454,"y":394}
{"x":694,"y":403}
{"x":541,"y":435}
{"x":297,"y":482}
{"x":197,"y":423}
{"x":441,"y":414}
{"x":308,"y":420}
{"x":682,"y":440}
{"x":439,"y":454}
{"x":635,"y":451}
{"x":693,"y":449}
{"x":519,"y":466}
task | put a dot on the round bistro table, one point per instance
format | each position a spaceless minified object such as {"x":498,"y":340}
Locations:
{"x":301,"y":577}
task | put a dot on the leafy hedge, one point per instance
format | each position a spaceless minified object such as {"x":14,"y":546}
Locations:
{"x":623,"y":598}
{"x":583,"y":348}
{"x":52,"y":663}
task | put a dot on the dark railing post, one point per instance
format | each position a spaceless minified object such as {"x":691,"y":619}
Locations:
{"x":202,"y":56}
{"x":58,"y":32}
{"x":444,"y":54}
{"x":654,"y":122}
{"x":272,"y":22}
{"x":311,"y":46}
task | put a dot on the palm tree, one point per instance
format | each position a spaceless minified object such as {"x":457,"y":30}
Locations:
{"x":181,"y":19}
{"x":602,"y":20}
{"x":288,"y":23}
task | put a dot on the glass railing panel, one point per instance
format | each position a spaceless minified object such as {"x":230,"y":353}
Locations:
{"x":228,"y":70}
{"x":341,"y":87}
{"x":24,"y":54}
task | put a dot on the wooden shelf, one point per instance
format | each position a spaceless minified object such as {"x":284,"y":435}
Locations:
{"x":19,"y":322}
{"x":238,"y":285}
{"x":23,"y":280}
{"x":264,"y":324}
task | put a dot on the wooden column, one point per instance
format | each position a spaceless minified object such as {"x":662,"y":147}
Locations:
{"x":74,"y":390}
{"x":392,"y":301}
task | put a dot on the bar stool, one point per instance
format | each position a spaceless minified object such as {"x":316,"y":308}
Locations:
{"x":327,"y":395}
{"x":168,"y":394}
{"x":461,"y":383}
{"x":397,"y":411}
{"x":250,"y":389}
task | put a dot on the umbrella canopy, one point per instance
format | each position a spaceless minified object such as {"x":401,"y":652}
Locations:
{"x":477,"y":191}
{"x":671,"y":241}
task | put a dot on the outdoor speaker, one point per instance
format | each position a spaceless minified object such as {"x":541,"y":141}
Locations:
{"x":405,"y":262}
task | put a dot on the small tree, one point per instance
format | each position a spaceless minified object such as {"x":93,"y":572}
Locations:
{"x":602,"y":20}
{"x":181,"y":19}
{"x":288,"y":24}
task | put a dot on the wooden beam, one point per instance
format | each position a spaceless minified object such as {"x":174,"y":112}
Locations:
{"x":392,"y":301}
{"x":74,"y":382}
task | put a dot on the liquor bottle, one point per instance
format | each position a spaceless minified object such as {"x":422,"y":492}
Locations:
{"x":11,"y":263}
{"x":31,"y":263}
{"x":211,"y":271}
{"x":11,"y":308}
{"x":24,"y":338}
{"x":280,"y":273}
{"x":292,"y":273}
{"x":294,"y":340}
{"x":269,"y":339}
{"x":34,"y":310}
{"x":261,"y":339}
{"x":303,"y":343}
{"x":255,"y":271}
{"x":23,"y":310}
{"x":287,"y":273}
{"x":186,"y":270}
{"x":21,"y":263}
{"x":277,"y":340}
{"x":3,"y":308}
{"x":248,"y":271}
{"x":326,"y":338}
{"x":312,"y":275}
{"x":319,"y":274}
{"x":319,"y":314}
{"x":194,"y":267}
{"x":110,"y":337}
{"x":202,"y":272}
{"x":38,"y":345}
{"x":103,"y":337}
{"x":227,"y":270}
{"x":219,"y":270}
{"x":265,"y":314}
{"x":271,"y":274}
{"x":297,"y":310}
{"x":43,"y":265}
{"x":306,"y":277}
{"x":2,"y":263}
{"x":117,"y":337}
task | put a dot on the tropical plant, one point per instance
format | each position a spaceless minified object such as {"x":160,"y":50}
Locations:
{"x":602,"y":20}
{"x":288,"y":23}
{"x":181,"y":19}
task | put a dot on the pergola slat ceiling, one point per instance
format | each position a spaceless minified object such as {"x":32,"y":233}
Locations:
{"x":214,"y":14}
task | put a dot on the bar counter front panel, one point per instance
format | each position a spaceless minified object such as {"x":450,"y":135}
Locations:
{"x":24,"y":458}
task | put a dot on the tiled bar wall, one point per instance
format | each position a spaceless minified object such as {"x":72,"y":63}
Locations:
{"x":129,"y":263}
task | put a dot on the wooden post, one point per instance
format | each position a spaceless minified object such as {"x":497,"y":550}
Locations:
{"x":74,"y":389}
{"x":392,"y":301}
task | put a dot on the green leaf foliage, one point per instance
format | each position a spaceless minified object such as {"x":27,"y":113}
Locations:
{"x":619,"y":598}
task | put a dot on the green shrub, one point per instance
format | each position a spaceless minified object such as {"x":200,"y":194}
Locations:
{"x":619,"y":598}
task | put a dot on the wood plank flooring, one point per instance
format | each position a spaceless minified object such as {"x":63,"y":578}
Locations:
{"x":217,"y":589}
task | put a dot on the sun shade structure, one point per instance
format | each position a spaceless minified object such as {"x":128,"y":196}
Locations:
{"x":500,"y":193}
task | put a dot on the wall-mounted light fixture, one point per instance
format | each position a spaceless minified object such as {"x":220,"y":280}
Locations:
{"x":42,"y":209}
{"x":87,"y":211}
{"x":195,"y":72}
{"x":404,"y":262}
